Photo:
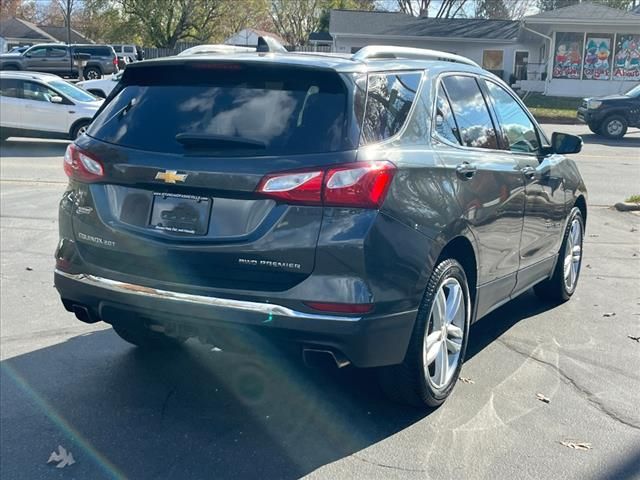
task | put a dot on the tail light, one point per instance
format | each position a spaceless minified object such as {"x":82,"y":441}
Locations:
{"x":115,"y":61}
{"x":363,"y":184}
{"x":81,"y":165}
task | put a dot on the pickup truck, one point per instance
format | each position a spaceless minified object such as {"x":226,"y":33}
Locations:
{"x":60,"y":60}
{"x":611,"y":115}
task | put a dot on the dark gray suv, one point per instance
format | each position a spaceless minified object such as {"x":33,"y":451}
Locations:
{"x":365,"y":209}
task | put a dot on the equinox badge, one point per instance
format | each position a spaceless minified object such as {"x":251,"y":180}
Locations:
{"x":171,"y":176}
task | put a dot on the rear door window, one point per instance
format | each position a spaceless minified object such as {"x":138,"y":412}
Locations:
{"x":470,"y":112}
{"x":445,"y":125}
{"x":389,"y":101}
{"x":10,"y":87}
{"x":228,"y":109}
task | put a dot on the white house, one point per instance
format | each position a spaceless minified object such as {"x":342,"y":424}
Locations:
{"x":248,"y":37}
{"x":581,"y":50}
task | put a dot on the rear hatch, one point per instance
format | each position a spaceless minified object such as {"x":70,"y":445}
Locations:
{"x":182,"y":148}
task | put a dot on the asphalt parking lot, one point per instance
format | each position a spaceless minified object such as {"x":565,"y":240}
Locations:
{"x":202,"y":413}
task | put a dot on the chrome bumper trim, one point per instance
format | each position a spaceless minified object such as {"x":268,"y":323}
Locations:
{"x":242,"y":305}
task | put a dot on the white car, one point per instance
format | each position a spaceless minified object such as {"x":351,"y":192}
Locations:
{"x":219,"y":48}
{"x":103,"y":86}
{"x":42,"y":105}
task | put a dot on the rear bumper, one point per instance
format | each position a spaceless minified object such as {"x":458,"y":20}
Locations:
{"x":367,"y":341}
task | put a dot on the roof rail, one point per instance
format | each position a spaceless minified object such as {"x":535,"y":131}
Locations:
{"x":380,"y":52}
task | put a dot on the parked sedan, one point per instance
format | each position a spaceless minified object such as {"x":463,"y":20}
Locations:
{"x":102,"y":87}
{"x":610,"y":116}
{"x":43,"y":105}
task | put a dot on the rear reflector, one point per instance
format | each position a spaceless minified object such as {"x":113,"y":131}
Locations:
{"x":362,"y":184}
{"x":81,"y":165}
{"x":341,"y":307}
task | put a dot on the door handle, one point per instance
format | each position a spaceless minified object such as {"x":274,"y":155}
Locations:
{"x":528,"y":172}
{"x":466,"y":171}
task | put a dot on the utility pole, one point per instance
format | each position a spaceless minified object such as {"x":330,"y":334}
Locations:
{"x":68,"y":19}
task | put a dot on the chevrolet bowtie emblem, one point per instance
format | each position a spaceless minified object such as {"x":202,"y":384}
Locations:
{"x":171,"y":176}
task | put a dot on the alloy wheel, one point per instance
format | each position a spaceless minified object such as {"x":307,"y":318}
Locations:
{"x":444,"y":338}
{"x":573,"y":255}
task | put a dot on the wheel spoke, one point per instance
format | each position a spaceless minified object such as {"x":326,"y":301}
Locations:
{"x":439,"y":310}
{"x":432,"y":347}
{"x":454,"y":331}
{"x":567,"y":266}
{"x":453,"y":346}
{"x":442,"y":364}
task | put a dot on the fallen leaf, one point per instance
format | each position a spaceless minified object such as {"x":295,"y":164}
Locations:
{"x":542,"y":398}
{"x":609,"y":314}
{"x":593,"y":235}
{"x":466,"y":380}
{"x":588,"y":265}
{"x":633,"y":229}
{"x":577,"y":445}
{"x":62,"y":456}
{"x":637,"y":339}
{"x":29,"y":269}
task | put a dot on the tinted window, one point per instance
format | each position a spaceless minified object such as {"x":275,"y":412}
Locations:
{"x":96,"y":51}
{"x":228,"y":110}
{"x":37,"y":92}
{"x":516,"y":126}
{"x":445,"y":125}
{"x":10,"y":87}
{"x":389,"y":100}
{"x":38,"y":52}
{"x":72,"y":91}
{"x":471,"y":113}
{"x":57,"y":52}
{"x":128,"y":49}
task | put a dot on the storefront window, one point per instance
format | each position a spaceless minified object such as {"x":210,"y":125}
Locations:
{"x":626,"y":61}
{"x":568,"y":55}
{"x":597,"y":57}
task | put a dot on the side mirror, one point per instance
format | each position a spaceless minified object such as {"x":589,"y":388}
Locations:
{"x":565,"y":143}
{"x":27,"y":54}
{"x":56,"y":99}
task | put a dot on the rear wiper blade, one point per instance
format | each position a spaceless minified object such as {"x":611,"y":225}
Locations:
{"x":208,"y":140}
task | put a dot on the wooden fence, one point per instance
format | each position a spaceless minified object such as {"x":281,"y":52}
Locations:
{"x":154,"y":52}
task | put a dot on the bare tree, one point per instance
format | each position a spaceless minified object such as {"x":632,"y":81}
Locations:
{"x":67,"y":9}
{"x":421,"y":8}
{"x":295,"y":19}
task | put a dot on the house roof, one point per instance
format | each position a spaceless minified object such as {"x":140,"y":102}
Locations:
{"x":584,"y":12}
{"x":320,"y":37}
{"x":60,"y":34}
{"x":399,"y":24}
{"x":16,"y":28}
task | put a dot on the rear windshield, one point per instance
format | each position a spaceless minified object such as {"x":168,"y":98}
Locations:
{"x":229,"y":109}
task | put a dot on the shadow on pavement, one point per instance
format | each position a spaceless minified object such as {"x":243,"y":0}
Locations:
{"x":197,"y":413}
{"x":631,"y":139}
{"x":32,"y":147}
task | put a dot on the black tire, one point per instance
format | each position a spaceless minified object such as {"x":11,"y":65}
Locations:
{"x":555,"y":288}
{"x":614,"y":126}
{"x":78,"y":128}
{"x":409,"y":382}
{"x":594,"y":128}
{"x":144,"y":338}
{"x":92,"y":73}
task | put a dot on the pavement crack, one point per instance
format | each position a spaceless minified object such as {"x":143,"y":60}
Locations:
{"x":592,"y":399}
{"x":166,"y":402}
{"x":384,"y":465}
